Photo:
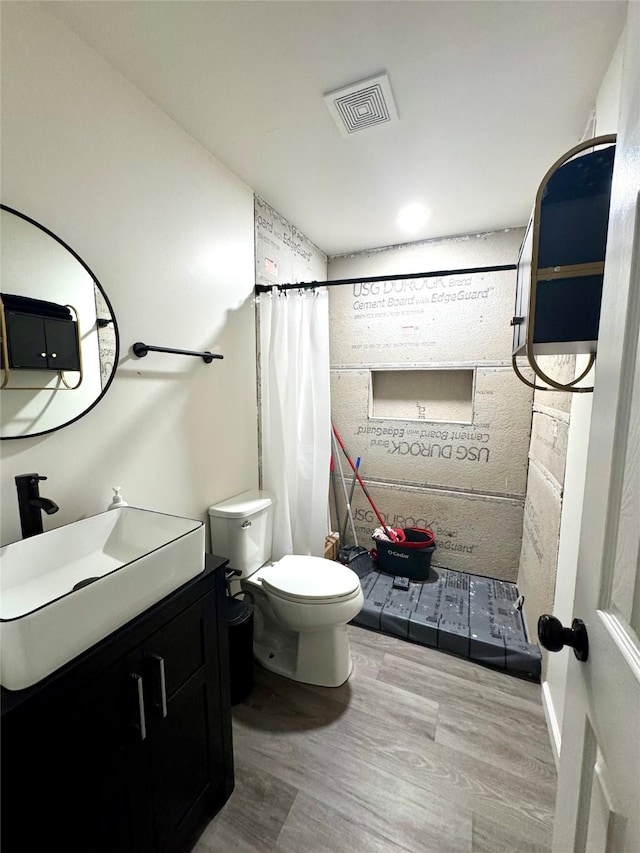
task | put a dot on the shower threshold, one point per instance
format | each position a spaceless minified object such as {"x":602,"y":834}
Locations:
{"x":471,"y":616}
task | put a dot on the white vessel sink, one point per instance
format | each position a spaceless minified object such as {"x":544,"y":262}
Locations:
{"x":63,"y":591}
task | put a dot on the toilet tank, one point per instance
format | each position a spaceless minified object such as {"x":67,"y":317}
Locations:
{"x":241,"y":529}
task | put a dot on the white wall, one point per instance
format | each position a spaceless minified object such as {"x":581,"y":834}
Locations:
{"x":554,"y":686}
{"x":168,"y":231}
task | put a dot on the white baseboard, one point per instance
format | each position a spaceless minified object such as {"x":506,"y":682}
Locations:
{"x":552,"y":722}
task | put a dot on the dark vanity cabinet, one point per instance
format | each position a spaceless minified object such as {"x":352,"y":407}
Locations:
{"x":128,"y":748}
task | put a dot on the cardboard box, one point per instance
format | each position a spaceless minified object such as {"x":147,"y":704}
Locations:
{"x":332,"y":546}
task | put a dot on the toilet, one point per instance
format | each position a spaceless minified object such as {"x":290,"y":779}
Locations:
{"x":302,"y":603}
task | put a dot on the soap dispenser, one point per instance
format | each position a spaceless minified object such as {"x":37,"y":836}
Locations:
{"x":117,"y":500}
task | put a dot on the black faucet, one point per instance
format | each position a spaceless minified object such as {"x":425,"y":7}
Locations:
{"x":31,"y":505}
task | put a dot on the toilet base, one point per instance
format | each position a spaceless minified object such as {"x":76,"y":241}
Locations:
{"x":315,"y":657}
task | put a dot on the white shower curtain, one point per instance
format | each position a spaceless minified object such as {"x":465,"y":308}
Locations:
{"x":296,"y":416}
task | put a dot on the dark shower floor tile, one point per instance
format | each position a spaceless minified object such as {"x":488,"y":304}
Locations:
{"x":471,"y":616}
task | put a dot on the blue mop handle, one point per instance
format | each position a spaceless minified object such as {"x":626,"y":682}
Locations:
{"x":354,"y":481}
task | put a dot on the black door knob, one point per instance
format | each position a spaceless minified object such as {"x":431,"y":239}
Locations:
{"x":554,"y":637}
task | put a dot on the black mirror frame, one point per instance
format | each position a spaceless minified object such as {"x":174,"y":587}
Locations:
{"x":113,"y":321}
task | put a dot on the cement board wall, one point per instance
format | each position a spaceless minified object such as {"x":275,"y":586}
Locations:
{"x":549,"y":435}
{"x":463,"y":475}
{"x":427,"y":320}
{"x":487,"y":456}
{"x":478,"y":534}
{"x":539,"y":555}
{"x":284,"y":254}
{"x":562,"y":368}
{"x":543,"y":506}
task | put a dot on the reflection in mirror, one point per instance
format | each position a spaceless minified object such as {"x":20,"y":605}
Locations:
{"x":59,"y":333}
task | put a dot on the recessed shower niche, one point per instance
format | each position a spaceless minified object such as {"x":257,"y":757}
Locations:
{"x":435,"y":394}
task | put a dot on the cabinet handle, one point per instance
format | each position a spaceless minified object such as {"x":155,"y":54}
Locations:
{"x":163,"y":684}
{"x":140,"y":692}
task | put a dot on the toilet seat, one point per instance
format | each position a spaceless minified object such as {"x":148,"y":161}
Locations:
{"x":310,"y":580}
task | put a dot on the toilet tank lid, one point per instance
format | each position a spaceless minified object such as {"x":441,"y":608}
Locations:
{"x":307,"y":577}
{"x":242,"y":505}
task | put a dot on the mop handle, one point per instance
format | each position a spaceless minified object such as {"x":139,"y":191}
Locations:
{"x":354,"y":481}
{"x":352,"y":490}
{"x":386,"y":529}
{"x":349,"y":516}
{"x":332,"y":474}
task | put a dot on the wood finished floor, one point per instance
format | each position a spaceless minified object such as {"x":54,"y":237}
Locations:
{"x":419,"y":751}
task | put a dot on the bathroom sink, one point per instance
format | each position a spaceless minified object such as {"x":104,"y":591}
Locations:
{"x":64,"y":590}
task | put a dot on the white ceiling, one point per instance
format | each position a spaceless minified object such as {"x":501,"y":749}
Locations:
{"x":489,"y":95}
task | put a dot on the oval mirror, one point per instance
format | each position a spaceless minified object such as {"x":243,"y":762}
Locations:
{"x":58,"y":333}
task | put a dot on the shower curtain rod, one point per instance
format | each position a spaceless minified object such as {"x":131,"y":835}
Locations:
{"x":303,"y":285}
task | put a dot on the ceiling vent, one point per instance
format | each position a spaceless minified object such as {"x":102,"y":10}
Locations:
{"x":362,"y":105}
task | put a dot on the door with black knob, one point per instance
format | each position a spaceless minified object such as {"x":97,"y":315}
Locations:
{"x":599,"y":770}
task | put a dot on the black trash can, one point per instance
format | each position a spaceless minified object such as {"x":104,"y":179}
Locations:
{"x":240,"y":622}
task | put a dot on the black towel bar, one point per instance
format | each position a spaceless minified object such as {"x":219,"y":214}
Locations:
{"x":140,"y":350}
